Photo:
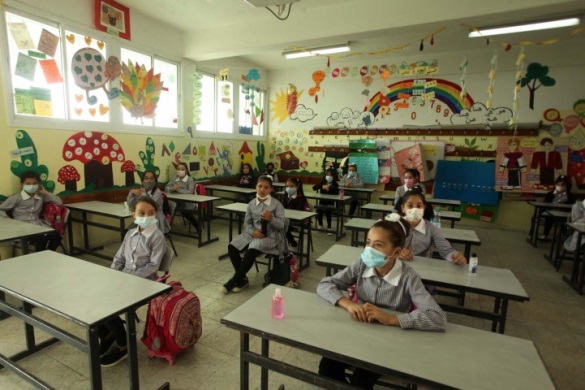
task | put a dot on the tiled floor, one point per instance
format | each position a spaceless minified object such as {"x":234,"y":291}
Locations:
{"x":554,"y":319}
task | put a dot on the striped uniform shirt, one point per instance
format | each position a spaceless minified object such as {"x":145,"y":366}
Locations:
{"x":426,"y":235}
{"x":141,"y":252}
{"x":28,"y":208}
{"x":397,"y":290}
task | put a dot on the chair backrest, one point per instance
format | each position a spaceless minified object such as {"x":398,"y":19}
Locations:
{"x":167,"y":260}
{"x":173,"y":207}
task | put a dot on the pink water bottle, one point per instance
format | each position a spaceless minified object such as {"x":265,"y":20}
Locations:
{"x":278,"y":304}
{"x":341,"y":194}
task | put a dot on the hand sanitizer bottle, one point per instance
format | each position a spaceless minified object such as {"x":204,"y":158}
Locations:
{"x":278,"y":304}
{"x":126,"y":208}
{"x":473,"y":264}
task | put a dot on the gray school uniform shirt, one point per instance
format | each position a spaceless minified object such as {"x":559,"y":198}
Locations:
{"x":275,"y":241}
{"x":163,"y":223}
{"x":577,"y":216}
{"x":141,"y":252}
{"x":26,"y":208}
{"x":355,"y":181}
{"x":426,"y":235}
{"x":187,"y":186}
{"x":400,"y":191}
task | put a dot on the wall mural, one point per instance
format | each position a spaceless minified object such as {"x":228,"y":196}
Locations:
{"x":140,"y":90}
{"x":478,"y":113}
{"x":285,"y":103}
{"x":536,"y":73}
{"x":29,"y":160}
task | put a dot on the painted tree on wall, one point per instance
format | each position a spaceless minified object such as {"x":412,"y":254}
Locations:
{"x":536,"y":73}
{"x":147,"y":158}
{"x":29,"y":162}
{"x":260,"y":157}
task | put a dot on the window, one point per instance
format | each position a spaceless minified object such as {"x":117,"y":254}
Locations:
{"x":224,"y":107}
{"x":64,"y":78}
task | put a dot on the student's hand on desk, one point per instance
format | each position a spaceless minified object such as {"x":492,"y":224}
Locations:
{"x":325,"y":187}
{"x":176,"y":187}
{"x":348,"y":184}
{"x":374,"y":313}
{"x":458,"y":258}
{"x":258,"y":234}
{"x":356,"y":310}
{"x":406,"y":255}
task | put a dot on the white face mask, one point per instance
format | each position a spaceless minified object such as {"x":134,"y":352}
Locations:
{"x":414,"y":215}
{"x":560,"y":189}
{"x":145,"y":222}
{"x":263,"y":198}
{"x":181,"y":174}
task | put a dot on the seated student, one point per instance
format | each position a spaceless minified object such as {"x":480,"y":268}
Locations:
{"x":328,"y":186}
{"x":150,"y":188}
{"x":577,"y":216}
{"x":247,"y":179}
{"x":561,"y":194}
{"x":263,"y":227}
{"x":140,"y":254}
{"x":294,"y":199}
{"x":411,"y":178}
{"x":382,"y":282}
{"x":428,"y":214}
{"x":27,"y":206}
{"x":270,"y":171}
{"x":183,"y":183}
{"x":352,"y":179}
{"x":424,"y":235}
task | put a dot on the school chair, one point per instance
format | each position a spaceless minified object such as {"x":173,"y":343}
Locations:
{"x":276,"y":253}
{"x":16,"y":243}
{"x":173,"y":210}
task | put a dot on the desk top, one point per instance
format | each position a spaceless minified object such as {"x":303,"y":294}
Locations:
{"x":445,"y":214}
{"x":460,"y":357}
{"x":557,"y":213}
{"x":579,"y":226}
{"x":313,"y":195}
{"x":546,"y":205}
{"x":488,"y":279}
{"x":193,"y":198}
{"x":234,"y":189}
{"x":103,"y":208}
{"x":437,"y":201}
{"x":295,"y":215}
{"x":82,"y":292}
{"x":357,"y":189}
{"x":11,"y":229}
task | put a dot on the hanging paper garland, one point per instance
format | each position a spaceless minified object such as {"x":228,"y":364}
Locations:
{"x":518,"y":85}
{"x":197,"y":85}
{"x":463,"y":79}
{"x":492,"y":79}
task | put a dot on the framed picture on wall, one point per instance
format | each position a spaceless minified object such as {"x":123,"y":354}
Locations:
{"x":113,"y":18}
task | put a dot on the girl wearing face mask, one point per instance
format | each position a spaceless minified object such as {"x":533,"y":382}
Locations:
{"x":263,"y":233}
{"x":424,"y":235}
{"x":352,"y":179}
{"x":411,"y":178}
{"x":382,"y":281}
{"x":183,"y":183}
{"x":561,"y":194}
{"x":328,"y":186}
{"x":294,"y":199}
{"x":150,"y":188}
{"x":271,"y":172}
{"x":140,"y":254}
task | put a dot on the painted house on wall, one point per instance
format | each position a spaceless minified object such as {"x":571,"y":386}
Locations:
{"x":288,"y":161}
{"x":246,"y":155}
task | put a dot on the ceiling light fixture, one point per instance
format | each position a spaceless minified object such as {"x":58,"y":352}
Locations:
{"x":313,"y":51}
{"x":525,"y":27}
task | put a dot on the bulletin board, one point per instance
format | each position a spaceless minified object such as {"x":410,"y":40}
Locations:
{"x":432,"y":152}
{"x":363,"y":154}
{"x":467,"y":181}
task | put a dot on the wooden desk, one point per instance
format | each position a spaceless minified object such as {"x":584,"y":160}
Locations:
{"x":356,"y":192}
{"x":434,"y":201}
{"x":340,"y":206}
{"x":539,"y":207}
{"x":559,"y":219}
{"x":453,"y":216}
{"x":501,"y":284}
{"x":110,"y":210}
{"x":200,"y":201}
{"x":239,"y":210}
{"x":460,"y":357}
{"x":70,"y":288}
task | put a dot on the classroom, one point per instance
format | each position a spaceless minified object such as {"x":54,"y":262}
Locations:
{"x":430,"y":171}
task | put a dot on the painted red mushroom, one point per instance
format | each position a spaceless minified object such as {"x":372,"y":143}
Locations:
{"x":69,"y":176}
{"x":129,"y":168}
{"x":96,"y":151}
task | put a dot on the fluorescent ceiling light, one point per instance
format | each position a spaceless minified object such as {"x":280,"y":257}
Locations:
{"x":308,"y":52}
{"x":525,"y":27}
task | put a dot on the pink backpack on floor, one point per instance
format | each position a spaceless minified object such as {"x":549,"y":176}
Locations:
{"x":173,"y":323}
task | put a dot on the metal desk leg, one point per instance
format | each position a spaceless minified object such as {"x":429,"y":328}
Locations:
{"x":132,"y":348}
{"x":504,"y":313}
{"x":575,"y":274}
{"x":555,"y":242}
{"x":557,"y":258}
{"x":85,"y":233}
{"x":301,"y":244}
{"x":532,"y":222}
{"x":263,"y":370}
{"x":29,"y":330}
{"x":95,"y":370}
{"x":70,"y":235}
{"x":122,"y":229}
{"x":230,"y":233}
{"x":452,"y":224}
{"x":497,"y":306}
{"x":244,"y":365}
{"x":467,"y":250}
{"x":200,"y":221}
{"x":309,"y":241}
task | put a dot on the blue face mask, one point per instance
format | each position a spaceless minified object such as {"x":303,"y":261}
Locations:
{"x":145,"y":222}
{"x":291,"y":191}
{"x":373,"y":258}
{"x":329,"y":179}
{"x":30,"y":188}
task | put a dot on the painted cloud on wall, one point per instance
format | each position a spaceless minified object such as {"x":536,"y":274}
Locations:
{"x":480,"y":114}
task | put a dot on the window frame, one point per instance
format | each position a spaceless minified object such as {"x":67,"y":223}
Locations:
{"x":113,"y":47}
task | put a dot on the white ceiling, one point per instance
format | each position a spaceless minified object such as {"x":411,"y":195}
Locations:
{"x":217,"y":29}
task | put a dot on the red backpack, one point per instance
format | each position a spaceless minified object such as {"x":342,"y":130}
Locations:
{"x":173,"y":323}
{"x":200,"y":190}
{"x":56,"y":216}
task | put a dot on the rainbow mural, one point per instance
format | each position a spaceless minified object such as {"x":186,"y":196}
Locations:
{"x":445,"y":91}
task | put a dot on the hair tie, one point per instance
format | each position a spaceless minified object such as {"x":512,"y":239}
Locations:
{"x":395,"y":217}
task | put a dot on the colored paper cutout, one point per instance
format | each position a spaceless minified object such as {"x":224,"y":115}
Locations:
{"x":51,"y":71}
{"x":187,"y":149}
{"x":165,"y":150}
{"x":48,"y":43}
{"x":25,"y":67}
{"x":36,"y":54}
{"x":24,"y":101}
{"x":140,"y":99}
{"x":42,"y":101}
{"x":21,"y":36}
{"x":172,"y":146}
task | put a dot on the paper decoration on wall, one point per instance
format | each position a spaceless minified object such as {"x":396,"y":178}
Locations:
{"x":478,"y":114}
{"x":536,"y":73}
{"x":23,"y":99}
{"x":291,"y":98}
{"x":225,"y":160}
{"x":187,"y":149}
{"x":51,"y":71}
{"x":226,"y":92}
{"x":88,"y":68}
{"x":346,"y":118}
{"x":30,"y":161}
{"x":165,"y":151}
{"x":367,"y":162}
{"x":21,"y":36}
{"x":318,"y":77}
{"x":140,"y":90}
{"x":197,"y":85}
{"x":212,"y":150}
{"x":546,"y":164}
{"x":172,"y":146}
{"x":97,"y":151}
{"x":68,"y":176}
{"x":463,"y":79}
{"x":288,"y":161}
{"x":25,"y":67}
{"x":48,"y":43}
{"x":42,"y":101}
{"x":303,"y":114}
{"x":576,"y":163}
{"x":411,"y":158}
{"x":128,"y":168}
{"x":513,"y":153}
{"x":517,"y":85}
{"x":113,"y":71}
{"x":279,"y":107}
{"x":260,"y":156}
{"x":147,"y":157}
{"x":223,"y":74}
{"x":492,"y":79}
{"x":431,"y":153}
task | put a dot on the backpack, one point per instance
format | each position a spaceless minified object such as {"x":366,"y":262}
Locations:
{"x":200,"y":190}
{"x":56,"y":216}
{"x":173,"y":323}
{"x":283,"y":271}
{"x":166,"y":207}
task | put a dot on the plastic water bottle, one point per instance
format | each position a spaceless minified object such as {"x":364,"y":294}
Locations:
{"x":437,"y":219}
{"x":278,"y":304}
{"x":473,"y":264}
{"x":341,"y":194}
{"x":126,"y":208}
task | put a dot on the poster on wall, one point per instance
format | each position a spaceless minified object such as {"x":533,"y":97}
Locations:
{"x":363,"y":153}
{"x":112,"y":17}
{"x":411,"y":157}
{"x":431,"y":153}
{"x":467,"y":181}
